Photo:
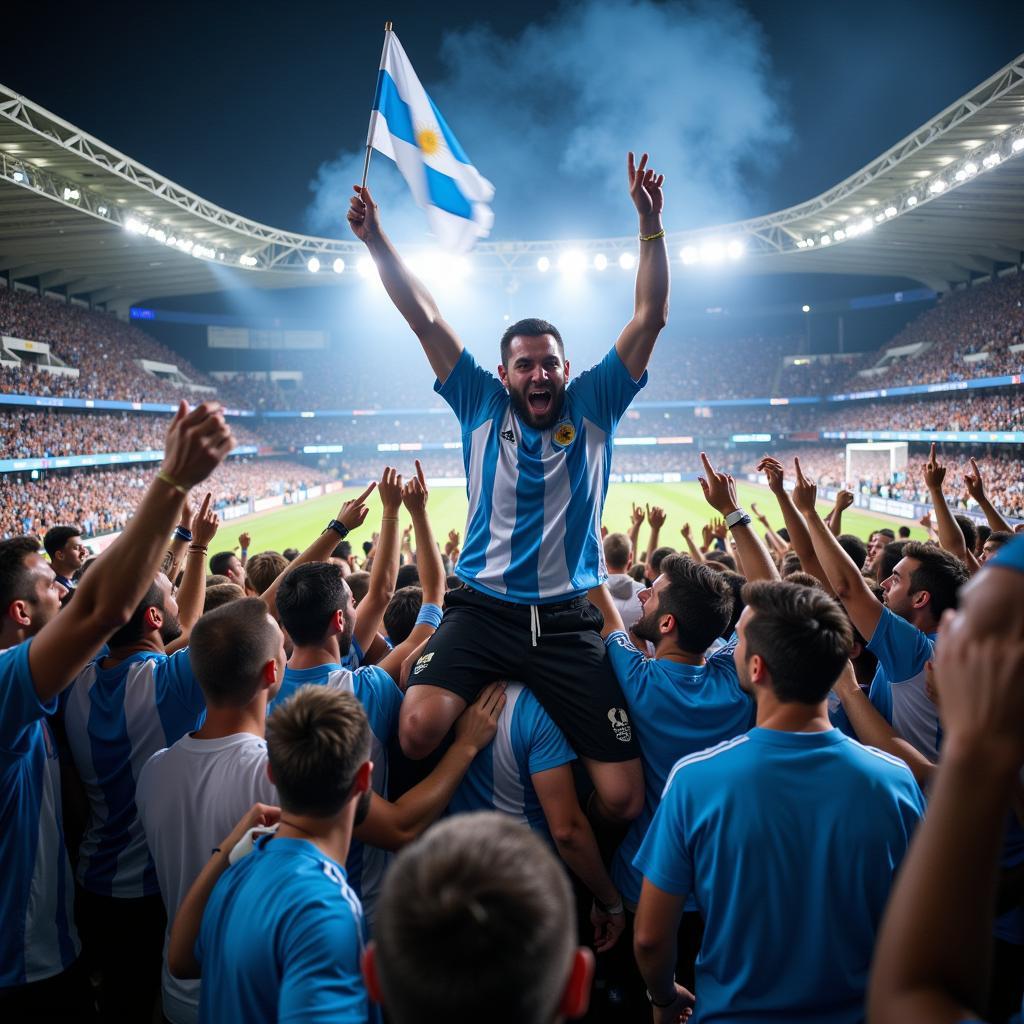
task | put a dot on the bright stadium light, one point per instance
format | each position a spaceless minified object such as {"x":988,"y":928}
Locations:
{"x":735,"y":249}
{"x":338,"y":266}
{"x":992,"y":160}
{"x":712,"y":252}
{"x":688,"y":254}
{"x":102,"y":211}
{"x":600,"y":261}
{"x":572,"y":262}
{"x":364,"y":266}
{"x":71,"y":194}
{"x":867,"y":224}
{"x":971,"y":168}
{"x":1018,"y":145}
{"x":839,"y":234}
{"x":805,"y":308}
{"x":825,"y":240}
{"x":810,"y":243}
{"x":543,"y":264}
{"x":247,"y":261}
{"x":19,"y":176}
{"x":891,"y":211}
{"x":136,"y":226}
{"x":879,"y":217}
{"x":937,"y":186}
{"x":313,"y":265}
{"x":911,"y":200}
{"x":627,"y":261}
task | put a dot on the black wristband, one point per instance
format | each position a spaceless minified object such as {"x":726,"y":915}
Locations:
{"x":339,"y":528}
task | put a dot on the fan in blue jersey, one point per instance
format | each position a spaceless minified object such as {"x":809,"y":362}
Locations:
{"x":537,"y":448}
{"x":901,"y":630}
{"x":279,"y":935}
{"x":39,"y":977}
{"x":67,"y":553}
{"x":526,"y":773}
{"x":761,"y":829}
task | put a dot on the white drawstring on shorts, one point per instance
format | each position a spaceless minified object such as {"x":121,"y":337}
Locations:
{"x":534,"y":624}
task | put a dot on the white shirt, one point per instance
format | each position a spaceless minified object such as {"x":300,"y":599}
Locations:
{"x":189,"y":797}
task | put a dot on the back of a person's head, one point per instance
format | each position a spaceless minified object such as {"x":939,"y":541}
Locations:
{"x":342,"y":550}
{"x":221,"y":594}
{"x":617,"y":549}
{"x":135,"y":628}
{"x":889,"y":559}
{"x":904,"y":532}
{"x":261,"y":570}
{"x":408,"y":576}
{"x":721,"y":558}
{"x":316,"y":742}
{"x":307,"y":598}
{"x":400,"y":614}
{"x":736,"y":584}
{"x":15,"y":575}
{"x":887,"y":533}
{"x":969,"y":528}
{"x":790,"y":563}
{"x":221,"y":562}
{"x":216,"y":580}
{"x":699,"y":599}
{"x":475,"y":922}
{"x":657,"y":557}
{"x":291,"y":554}
{"x":359,"y":584}
{"x":938,"y":572}
{"x":638,"y":571}
{"x":984,"y":532}
{"x":803,"y":579}
{"x":802,"y":635}
{"x":229,"y":648}
{"x":57,"y":536}
{"x":854,"y":547}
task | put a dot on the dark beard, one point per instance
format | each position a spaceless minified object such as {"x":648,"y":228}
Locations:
{"x":646,"y":628}
{"x":170,"y":630}
{"x":345,"y":639}
{"x":522,"y":409}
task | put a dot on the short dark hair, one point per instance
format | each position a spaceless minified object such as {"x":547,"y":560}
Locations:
{"x":984,"y":532}
{"x":638,"y":571}
{"x":854,"y":547}
{"x":408,"y":576}
{"x":885,"y":531}
{"x":723,"y":558}
{"x":475,"y":921}
{"x":658,"y":556}
{"x":790,"y":563}
{"x":307,"y":598}
{"x":228,"y":648}
{"x":15,"y":576}
{"x":531,"y":327}
{"x":969,"y":528}
{"x":359,"y":584}
{"x":292,"y":553}
{"x":220,"y":562}
{"x":220,"y":594}
{"x":57,"y":536}
{"x":803,"y":579}
{"x":316,"y":741}
{"x":939,"y":573}
{"x":736,"y":584}
{"x":400,"y":614}
{"x":133,"y":630}
{"x":261,"y":570}
{"x":904,"y":532}
{"x":803,"y":635}
{"x":617,"y":549}
{"x":889,"y":558}
{"x":698,"y":598}
{"x":343,"y":549}
{"x":999,"y":537}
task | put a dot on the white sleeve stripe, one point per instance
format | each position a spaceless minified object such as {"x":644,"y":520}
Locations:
{"x":704,"y":755}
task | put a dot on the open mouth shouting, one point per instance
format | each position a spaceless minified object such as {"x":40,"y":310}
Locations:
{"x":539,"y":401}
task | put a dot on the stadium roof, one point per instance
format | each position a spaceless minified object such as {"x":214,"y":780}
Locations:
{"x":943,"y":205}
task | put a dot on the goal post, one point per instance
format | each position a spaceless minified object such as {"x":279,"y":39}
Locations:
{"x":871,"y":461}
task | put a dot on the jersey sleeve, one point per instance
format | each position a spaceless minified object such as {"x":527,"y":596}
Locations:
{"x":471,"y":391}
{"x":546,"y":743}
{"x":177,"y":689}
{"x":901,"y":648}
{"x":321,"y":982}
{"x":630,"y":666}
{"x":605,"y":390}
{"x":20,"y":706}
{"x":387,"y":701}
{"x":664,"y":857}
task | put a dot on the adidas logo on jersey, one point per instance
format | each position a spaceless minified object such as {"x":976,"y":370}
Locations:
{"x":508,"y":436}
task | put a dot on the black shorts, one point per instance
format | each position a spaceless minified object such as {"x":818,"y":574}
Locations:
{"x":482,"y":639}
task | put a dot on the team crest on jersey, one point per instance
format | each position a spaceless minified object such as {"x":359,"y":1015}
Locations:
{"x":565,"y":434}
{"x":620,"y":724}
{"x":508,"y":435}
{"x":422,"y":663}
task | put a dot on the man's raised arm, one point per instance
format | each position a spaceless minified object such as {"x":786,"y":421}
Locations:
{"x":406,"y":291}
{"x":650,"y":307}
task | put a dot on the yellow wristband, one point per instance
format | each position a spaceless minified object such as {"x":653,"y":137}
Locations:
{"x":171,"y":482}
{"x":654,"y":237}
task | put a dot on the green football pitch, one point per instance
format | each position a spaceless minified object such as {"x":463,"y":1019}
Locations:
{"x":296,"y":526}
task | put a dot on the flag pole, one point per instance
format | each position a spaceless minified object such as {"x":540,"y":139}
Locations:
{"x":373,"y":113}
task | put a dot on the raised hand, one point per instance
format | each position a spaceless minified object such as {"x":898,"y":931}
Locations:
{"x":637,"y":516}
{"x":686,"y":531}
{"x":244,"y":540}
{"x":718,"y":528}
{"x":390,"y":489}
{"x":197,"y":442}
{"x":205,"y":523}
{"x":354,"y":511}
{"x":645,"y":187}
{"x":477,"y":725}
{"x":805,"y":494}
{"x":656,"y":517}
{"x":363,"y":216}
{"x":772,"y":469}
{"x":707,"y":535}
{"x":926,"y":521}
{"x":974,"y":482}
{"x":934,"y":472}
{"x":844,"y":499}
{"x":719,"y":488}
{"x":453,"y":542}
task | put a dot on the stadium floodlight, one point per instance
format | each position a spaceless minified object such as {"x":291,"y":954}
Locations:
{"x":313,"y":265}
{"x":825,"y":240}
{"x":971,"y":168}
{"x":867,"y":224}
{"x":688,"y":254}
{"x":879,"y":217}
{"x":102,"y":211}
{"x":572,"y":262}
{"x":364,"y":266}
{"x":338,"y":266}
{"x":992,"y":160}
{"x":805,"y":308}
{"x":810,"y":243}
{"x":891,"y":211}
{"x":839,"y":235}
{"x":71,"y":194}
{"x":20,"y":177}
{"x":600,"y":261}
{"x":960,"y":175}
{"x":136,"y":226}
{"x":627,"y":261}
{"x":247,"y":261}
{"x":735,"y":249}
{"x":1018,"y":145}
{"x":801,"y":243}
{"x":712,"y":252}
{"x":937,"y":186}
{"x":543,"y":264}
{"x":911,"y":200}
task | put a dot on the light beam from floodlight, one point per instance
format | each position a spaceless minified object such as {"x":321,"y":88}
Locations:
{"x":627,"y":261}
{"x":736,"y":249}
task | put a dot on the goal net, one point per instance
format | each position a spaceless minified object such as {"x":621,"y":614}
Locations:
{"x":876,"y":462}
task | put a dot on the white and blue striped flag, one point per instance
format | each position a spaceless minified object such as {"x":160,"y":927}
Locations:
{"x":407,"y":127}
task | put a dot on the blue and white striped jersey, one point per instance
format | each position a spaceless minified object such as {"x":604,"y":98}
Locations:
{"x":527,"y":743}
{"x":37,"y":935}
{"x":116,"y":720}
{"x":382,"y":701}
{"x":533,"y":530}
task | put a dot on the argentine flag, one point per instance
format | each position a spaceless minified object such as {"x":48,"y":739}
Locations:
{"x":407,"y":127}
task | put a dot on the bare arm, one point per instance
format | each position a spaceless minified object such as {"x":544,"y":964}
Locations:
{"x":635,"y":522}
{"x":695,"y":552}
{"x":842,"y":574}
{"x":409,"y":295}
{"x":175,"y":556}
{"x":654,"y":944}
{"x":384,"y":573}
{"x":650,"y":309}
{"x":844,"y":499}
{"x":244,"y":540}
{"x":428,"y":557}
{"x":976,"y":489}
{"x":601,"y":599}
{"x":951,"y":537}
{"x":192,"y":593}
{"x":196,"y":444}
{"x":775,"y":542}
{"x":656,"y":519}
{"x":720,"y":493}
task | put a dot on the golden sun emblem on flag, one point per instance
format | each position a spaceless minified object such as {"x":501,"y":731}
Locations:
{"x":429,"y":140}
{"x":565,"y":434}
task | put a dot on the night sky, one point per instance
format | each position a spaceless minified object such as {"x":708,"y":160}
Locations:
{"x":751,"y":107}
